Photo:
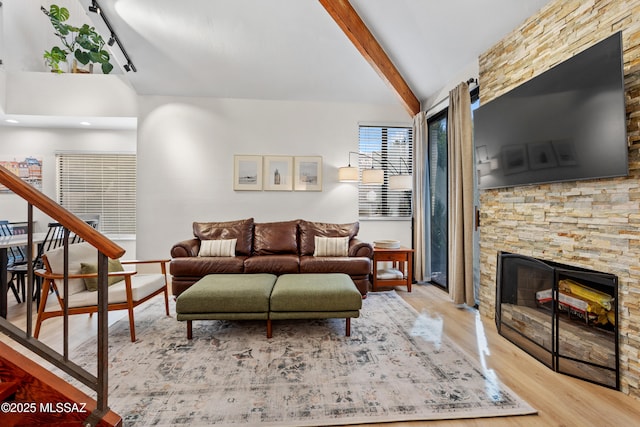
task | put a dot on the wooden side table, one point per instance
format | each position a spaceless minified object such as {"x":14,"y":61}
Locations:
{"x":402,"y":263}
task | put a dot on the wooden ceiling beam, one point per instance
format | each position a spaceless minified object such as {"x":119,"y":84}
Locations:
{"x":350,"y":22}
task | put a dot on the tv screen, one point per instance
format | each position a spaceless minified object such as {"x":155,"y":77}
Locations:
{"x":566,"y":124}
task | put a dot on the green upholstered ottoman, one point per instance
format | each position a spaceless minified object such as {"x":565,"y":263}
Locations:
{"x":315,"y":296}
{"x":226,"y":297}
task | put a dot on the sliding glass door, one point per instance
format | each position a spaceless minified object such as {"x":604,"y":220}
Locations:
{"x":438,"y":189}
{"x":439,"y":197}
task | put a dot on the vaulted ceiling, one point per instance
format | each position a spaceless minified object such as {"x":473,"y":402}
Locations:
{"x":287,"y":49}
{"x":294,"y":50}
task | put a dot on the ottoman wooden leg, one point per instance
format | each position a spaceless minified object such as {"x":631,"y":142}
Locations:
{"x":189,"y":330}
{"x":269,"y":331}
{"x":348,"y":326}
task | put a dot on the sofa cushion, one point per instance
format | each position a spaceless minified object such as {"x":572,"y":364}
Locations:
{"x":201,"y":266}
{"x":241,"y":230}
{"x":331,"y":246}
{"x":273,"y":264}
{"x":309,"y":229}
{"x":273,"y":238}
{"x":142,"y":285}
{"x":218,"y":248}
{"x":353,"y":266}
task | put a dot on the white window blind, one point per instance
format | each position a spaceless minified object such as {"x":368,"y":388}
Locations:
{"x":391,"y":149}
{"x":103,"y":184}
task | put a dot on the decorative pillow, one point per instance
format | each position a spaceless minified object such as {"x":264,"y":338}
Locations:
{"x":218,"y":248}
{"x":92,"y":282}
{"x":331,"y":246}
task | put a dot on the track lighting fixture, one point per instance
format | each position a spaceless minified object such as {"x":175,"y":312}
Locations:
{"x":113,"y":39}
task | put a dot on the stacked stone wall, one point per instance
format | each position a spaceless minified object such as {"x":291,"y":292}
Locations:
{"x":592,"y":224}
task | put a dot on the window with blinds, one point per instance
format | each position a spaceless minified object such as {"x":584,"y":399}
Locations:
{"x":102,"y":184}
{"x":391,"y":149}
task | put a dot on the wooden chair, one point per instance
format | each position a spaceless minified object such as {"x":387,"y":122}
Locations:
{"x":53,"y":239}
{"x":126,"y":294}
{"x":5,"y":230}
{"x":16,"y":254}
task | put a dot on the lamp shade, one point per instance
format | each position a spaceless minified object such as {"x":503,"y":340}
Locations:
{"x":373,"y":176}
{"x":348,"y":174}
{"x":401,"y":182}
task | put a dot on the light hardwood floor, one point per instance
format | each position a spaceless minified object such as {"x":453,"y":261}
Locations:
{"x":559,"y":399}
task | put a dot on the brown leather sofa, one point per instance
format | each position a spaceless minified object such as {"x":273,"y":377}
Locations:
{"x":276,"y":247}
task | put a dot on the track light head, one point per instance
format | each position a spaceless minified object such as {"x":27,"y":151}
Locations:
{"x":94,"y":7}
{"x":112,"y":40}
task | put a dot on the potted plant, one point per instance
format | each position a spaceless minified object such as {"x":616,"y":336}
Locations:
{"x":84,"y":43}
{"x":54,"y":57}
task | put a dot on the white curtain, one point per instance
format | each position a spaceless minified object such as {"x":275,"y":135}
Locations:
{"x":421,"y":226}
{"x":461,"y":200}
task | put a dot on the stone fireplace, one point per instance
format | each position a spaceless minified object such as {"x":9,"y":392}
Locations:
{"x":592,"y":225}
{"x":566,"y":317}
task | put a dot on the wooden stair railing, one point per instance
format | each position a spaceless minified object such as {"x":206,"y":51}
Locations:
{"x":106,"y":249}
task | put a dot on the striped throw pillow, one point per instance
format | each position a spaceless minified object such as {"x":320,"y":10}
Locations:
{"x":218,"y":248}
{"x":331,"y":246}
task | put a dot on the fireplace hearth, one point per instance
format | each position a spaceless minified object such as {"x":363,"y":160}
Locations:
{"x":564,"y":316}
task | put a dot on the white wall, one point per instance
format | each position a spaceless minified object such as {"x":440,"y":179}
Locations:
{"x":43,"y":143}
{"x":440,"y":100}
{"x":3,"y":91}
{"x":185,"y":161}
{"x":50,"y":94}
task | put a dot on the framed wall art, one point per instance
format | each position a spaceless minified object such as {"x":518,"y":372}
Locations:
{"x":307,"y":173}
{"x":247,"y":173}
{"x":28,"y":169}
{"x":278,"y":173}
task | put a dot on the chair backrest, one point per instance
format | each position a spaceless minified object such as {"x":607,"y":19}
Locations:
{"x":16,"y":253}
{"x":78,"y":253}
{"x":91,"y":219}
{"x":4,"y":228}
{"x":53,"y":239}
{"x":56,"y":232}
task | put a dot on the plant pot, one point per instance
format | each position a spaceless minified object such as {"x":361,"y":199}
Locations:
{"x":63,"y":67}
{"x":81,"y":69}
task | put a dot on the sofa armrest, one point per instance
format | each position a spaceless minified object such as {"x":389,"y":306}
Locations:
{"x":186,"y":248}
{"x":359,"y":248}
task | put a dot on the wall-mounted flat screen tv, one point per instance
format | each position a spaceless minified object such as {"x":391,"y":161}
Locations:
{"x":566,"y":124}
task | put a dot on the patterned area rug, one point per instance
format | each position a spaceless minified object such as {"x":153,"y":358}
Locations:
{"x":396,"y":366}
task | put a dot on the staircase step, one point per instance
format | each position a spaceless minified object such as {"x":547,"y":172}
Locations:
{"x":7,"y":389}
{"x":38,"y":386}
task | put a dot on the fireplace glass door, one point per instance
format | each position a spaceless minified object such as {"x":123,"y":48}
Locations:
{"x":523,"y":319}
{"x":563,"y":316}
{"x":586,"y":333}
